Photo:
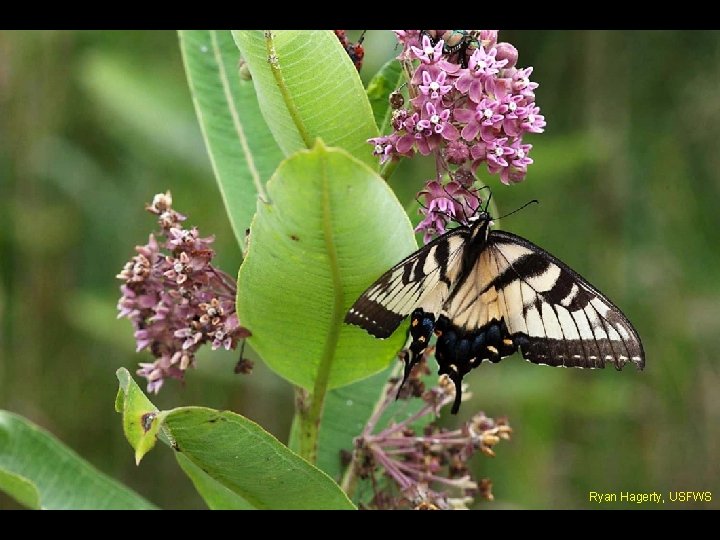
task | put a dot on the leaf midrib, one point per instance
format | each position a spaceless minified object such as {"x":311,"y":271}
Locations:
{"x":236,"y":117}
{"x":326,"y":361}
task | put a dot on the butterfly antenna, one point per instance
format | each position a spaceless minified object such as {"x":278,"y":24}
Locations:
{"x":534,"y":201}
{"x":361,"y":38}
{"x":417,"y":200}
{"x":487,"y":203}
{"x":480,"y":205}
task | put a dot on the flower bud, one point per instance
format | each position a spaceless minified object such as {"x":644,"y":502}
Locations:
{"x":506,"y":51}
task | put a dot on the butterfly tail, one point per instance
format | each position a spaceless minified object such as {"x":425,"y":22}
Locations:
{"x":458,"y":395}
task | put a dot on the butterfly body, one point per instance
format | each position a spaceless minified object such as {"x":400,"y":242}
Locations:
{"x":486,"y":294}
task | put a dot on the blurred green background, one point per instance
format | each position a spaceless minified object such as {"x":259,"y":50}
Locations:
{"x":92,"y":124}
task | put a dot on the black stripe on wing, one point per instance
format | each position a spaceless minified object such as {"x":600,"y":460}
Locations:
{"x":394,"y":295}
{"x":373,"y":318}
{"x":593,"y":330}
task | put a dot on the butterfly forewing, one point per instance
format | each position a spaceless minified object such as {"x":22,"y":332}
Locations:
{"x":425,"y":278}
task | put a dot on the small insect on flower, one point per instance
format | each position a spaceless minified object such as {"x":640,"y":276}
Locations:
{"x":355,"y":51}
{"x":396,"y":100}
{"x":455,"y":41}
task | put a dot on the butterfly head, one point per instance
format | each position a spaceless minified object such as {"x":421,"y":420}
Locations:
{"x":479,"y":225}
{"x":481,"y":217}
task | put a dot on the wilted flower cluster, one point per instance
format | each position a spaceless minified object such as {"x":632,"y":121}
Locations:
{"x":469,"y":106}
{"x":427,"y":470}
{"x":176,"y":299}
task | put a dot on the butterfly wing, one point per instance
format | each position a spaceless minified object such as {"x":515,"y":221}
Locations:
{"x":423,"y":279}
{"x":518,"y":296}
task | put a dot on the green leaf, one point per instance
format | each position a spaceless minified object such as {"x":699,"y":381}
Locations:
{"x":379,"y":88}
{"x":312,"y":90}
{"x":242,"y":150}
{"x":216,"y":495}
{"x":21,"y":489}
{"x":140,"y":416}
{"x":346,"y":412}
{"x":333,"y":227}
{"x":232,"y":461}
{"x":40,"y":472}
{"x":247,"y":460}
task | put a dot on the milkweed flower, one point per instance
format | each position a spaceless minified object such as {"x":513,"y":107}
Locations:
{"x":445,"y":203}
{"x":175,"y":298}
{"x":470,"y":105}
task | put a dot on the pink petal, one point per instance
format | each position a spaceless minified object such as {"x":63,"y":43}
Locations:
{"x":463,"y":82}
{"x":478,"y":151}
{"x":464,"y":115}
{"x":470,"y":131}
{"x":405,"y":143}
{"x":450,"y":133}
{"x":476,"y":91}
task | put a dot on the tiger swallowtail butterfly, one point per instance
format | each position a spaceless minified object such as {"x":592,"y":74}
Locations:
{"x":487,"y":294}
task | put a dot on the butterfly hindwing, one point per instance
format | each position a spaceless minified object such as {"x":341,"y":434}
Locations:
{"x":551,"y":313}
{"x":558,"y":317}
{"x":425,"y":276}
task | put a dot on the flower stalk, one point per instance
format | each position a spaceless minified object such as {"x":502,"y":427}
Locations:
{"x":422,"y":467}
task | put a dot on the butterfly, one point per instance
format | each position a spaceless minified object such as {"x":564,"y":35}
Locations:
{"x":486,"y":294}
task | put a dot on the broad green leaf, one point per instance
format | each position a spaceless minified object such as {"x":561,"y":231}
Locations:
{"x":140,"y":416}
{"x":21,"y":489}
{"x":313,"y":90}
{"x":242,"y":150}
{"x":332,"y":228}
{"x":379,"y":88}
{"x":216,"y":495}
{"x":40,"y":472}
{"x":246,"y":459}
{"x":232,"y":461}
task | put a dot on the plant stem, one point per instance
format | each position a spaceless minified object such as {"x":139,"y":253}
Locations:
{"x":388,"y":168}
{"x":308,"y":421}
{"x":309,"y":408}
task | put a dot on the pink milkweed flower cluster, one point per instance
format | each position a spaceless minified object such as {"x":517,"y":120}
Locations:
{"x":175,"y":298}
{"x":468,"y":107}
